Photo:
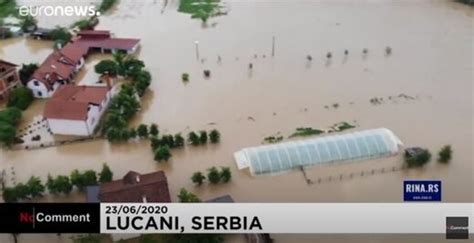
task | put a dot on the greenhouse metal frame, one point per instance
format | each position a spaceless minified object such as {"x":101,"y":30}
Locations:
{"x":281,"y":157}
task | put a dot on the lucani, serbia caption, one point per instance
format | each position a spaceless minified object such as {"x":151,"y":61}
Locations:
{"x":173,"y":223}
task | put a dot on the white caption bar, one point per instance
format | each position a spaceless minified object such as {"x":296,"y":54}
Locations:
{"x":339,"y":218}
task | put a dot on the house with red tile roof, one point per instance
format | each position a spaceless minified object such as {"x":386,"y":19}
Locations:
{"x":103,"y":41}
{"x":76,"y":110}
{"x":133,"y":187}
{"x":8,"y":78}
{"x":60,"y":67}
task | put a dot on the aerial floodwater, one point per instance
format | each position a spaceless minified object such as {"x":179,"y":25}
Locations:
{"x":270,"y":74}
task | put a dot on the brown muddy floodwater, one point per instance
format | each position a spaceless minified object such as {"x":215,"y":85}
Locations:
{"x":431,"y":61}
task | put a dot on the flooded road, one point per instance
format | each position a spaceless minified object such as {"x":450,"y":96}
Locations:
{"x":431,"y":61}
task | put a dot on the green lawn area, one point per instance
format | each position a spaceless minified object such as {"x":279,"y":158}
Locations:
{"x":202,"y":9}
{"x":7,"y":8}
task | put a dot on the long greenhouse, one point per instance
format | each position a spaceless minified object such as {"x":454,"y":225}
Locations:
{"x":281,"y":157}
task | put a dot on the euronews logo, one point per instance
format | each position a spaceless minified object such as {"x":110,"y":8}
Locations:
{"x":61,"y":11}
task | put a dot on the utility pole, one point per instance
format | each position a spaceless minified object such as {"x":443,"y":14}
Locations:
{"x":197,"y":49}
{"x":273,"y":46}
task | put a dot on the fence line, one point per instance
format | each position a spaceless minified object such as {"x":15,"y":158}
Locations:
{"x":349,"y":176}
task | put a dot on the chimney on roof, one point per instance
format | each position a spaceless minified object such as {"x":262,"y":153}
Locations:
{"x":137,"y":179}
{"x":144,"y":198}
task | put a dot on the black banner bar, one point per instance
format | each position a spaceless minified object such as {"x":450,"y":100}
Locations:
{"x":49,"y":218}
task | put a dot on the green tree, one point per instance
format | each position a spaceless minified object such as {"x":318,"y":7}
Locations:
{"x":20,"y":98}
{"x":167,"y":140}
{"x":155,"y":142}
{"x":214,"y":136}
{"x":119,"y":59}
{"x":193,"y":138}
{"x":213,"y":175}
{"x":184,"y":196}
{"x":60,"y":35}
{"x":62,"y":184}
{"x":26,"y":71}
{"x":198,"y":178}
{"x":202,"y":137}
{"x":10,"y":115}
{"x":225,"y":174}
{"x":10,"y":194}
{"x":114,"y":120}
{"x":7,"y":134}
{"x":105,"y":174}
{"x":90,"y":178}
{"x":162,"y":153}
{"x":77,"y":180}
{"x":445,"y":154}
{"x":154,"y":130}
{"x":132,"y":67}
{"x":178,"y":140}
{"x":133,"y":133}
{"x":106,"y":5}
{"x":35,"y":187}
{"x":113,"y":134}
{"x":50,"y":185}
{"x":418,"y":160}
{"x":185,"y":77}
{"x":106,"y":67}
{"x":142,"y":81}
{"x":28,"y":23}
{"x":22,"y":191}
{"x":142,"y":131}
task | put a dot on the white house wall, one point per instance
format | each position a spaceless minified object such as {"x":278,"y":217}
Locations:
{"x":68,"y":127}
{"x":81,"y":127}
{"x":40,"y":90}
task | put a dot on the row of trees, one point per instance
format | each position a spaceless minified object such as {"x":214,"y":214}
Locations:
{"x":424,"y":156}
{"x":56,"y":185}
{"x":213,"y":175}
{"x":31,"y":189}
{"x":122,"y":108}
{"x":202,"y":137}
{"x":127,"y":102}
{"x":161,"y":146}
{"x":9,"y":119}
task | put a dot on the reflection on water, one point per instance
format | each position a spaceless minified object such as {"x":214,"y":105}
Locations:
{"x":431,"y":59}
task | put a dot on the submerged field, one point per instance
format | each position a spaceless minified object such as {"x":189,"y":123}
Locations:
{"x":431,"y":62}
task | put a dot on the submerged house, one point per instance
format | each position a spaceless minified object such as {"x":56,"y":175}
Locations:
{"x":58,"y":69}
{"x":133,"y":187}
{"x":250,"y":238}
{"x":8,"y":78}
{"x":103,"y":41}
{"x":76,"y":110}
{"x":281,"y":157}
{"x":61,"y":66}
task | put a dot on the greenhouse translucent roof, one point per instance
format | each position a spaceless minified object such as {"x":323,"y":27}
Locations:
{"x":276,"y":158}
